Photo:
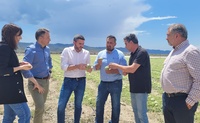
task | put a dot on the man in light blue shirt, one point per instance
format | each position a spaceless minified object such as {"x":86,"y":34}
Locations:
{"x":111,"y":80}
{"x":38,"y":55}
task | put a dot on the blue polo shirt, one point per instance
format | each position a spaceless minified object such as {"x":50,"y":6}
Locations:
{"x":116,"y":56}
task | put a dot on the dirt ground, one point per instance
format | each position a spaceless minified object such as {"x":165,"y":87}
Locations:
{"x":88,"y":113}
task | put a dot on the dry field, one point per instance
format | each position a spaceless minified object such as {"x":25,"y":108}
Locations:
{"x":88,"y":112}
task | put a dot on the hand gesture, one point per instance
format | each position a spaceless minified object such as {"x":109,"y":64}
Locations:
{"x":124,"y":73}
{"x":108,"y":70}
{"x":36,"y":85}
{"x":25,"y":65}
{"x":99,"y":61}
{"x":40,"y":88}
{"x":113,"y":65}
{"x":81,"y":66}
{"x":89,"y":68}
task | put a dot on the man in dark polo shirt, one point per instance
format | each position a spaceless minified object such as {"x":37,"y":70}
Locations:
{"x":139,"y":74}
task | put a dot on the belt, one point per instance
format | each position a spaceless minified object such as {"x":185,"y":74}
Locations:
{"x":77,"y":79}
{"x":175,"y":94}
{"x":112,"y":81}
{"x":47,"y":77}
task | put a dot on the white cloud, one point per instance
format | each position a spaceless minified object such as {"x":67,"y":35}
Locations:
{"x":65,"y":18}
{"x":132,"y":23}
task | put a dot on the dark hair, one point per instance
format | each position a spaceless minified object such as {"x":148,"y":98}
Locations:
{"x":40,"y":32}
{"x":131,"y":37}
{"x":178,"y":28}
{"x":78,"y":36}
{"x":111,"y":36}
{"x":8,"y":34}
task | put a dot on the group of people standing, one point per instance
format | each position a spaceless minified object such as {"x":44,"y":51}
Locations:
{"x":180,"y":77}
{"x":112,"y":65}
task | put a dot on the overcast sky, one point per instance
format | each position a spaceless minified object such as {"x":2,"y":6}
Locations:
{"x":96,"y":19}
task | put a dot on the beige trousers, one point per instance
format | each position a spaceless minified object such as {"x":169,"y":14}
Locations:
{"x":39,"y":99}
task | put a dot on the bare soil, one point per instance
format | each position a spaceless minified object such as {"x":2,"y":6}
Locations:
{"x":88,"y":112}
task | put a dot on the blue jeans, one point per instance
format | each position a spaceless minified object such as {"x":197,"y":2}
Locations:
{"x":175,"y":109}
{"x":114,"y":89}
{"x":20,"y":109}
{"x":70,"y":85}
{"x":139,"y":105}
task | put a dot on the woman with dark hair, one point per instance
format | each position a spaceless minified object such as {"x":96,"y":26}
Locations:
{"x":11,"y":81}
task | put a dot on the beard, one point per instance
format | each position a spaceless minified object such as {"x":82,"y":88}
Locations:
{"x":78,"y":49}
{"x":109,"y":48}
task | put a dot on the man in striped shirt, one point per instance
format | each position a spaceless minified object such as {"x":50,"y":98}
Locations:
{"x":180,"y":77}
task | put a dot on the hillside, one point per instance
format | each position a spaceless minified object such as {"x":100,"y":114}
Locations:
{"x":57,"y":48}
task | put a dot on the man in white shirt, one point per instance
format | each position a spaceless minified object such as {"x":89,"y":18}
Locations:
{"x":74,"y":62}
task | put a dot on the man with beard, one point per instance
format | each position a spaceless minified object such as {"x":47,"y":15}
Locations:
{"x":111,"y":80}
{"x":74,"y":62}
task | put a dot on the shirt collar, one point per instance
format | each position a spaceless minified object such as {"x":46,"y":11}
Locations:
{"x":111,"y":51}
{"x":39,"y":45}
{"x":132,"y":53}
{"x":181,"y":45}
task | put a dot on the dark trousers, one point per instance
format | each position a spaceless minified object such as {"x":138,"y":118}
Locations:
{"x":175,"y":109}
